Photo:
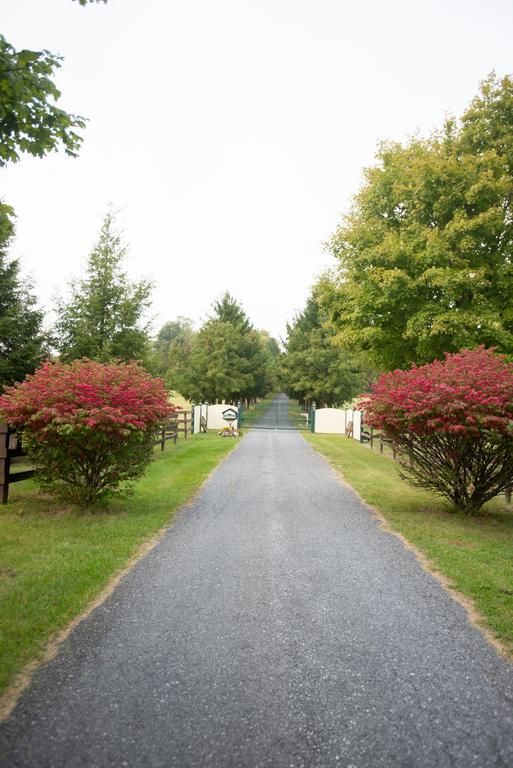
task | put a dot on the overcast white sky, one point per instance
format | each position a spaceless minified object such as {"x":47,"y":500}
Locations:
{"x":231,"y":134}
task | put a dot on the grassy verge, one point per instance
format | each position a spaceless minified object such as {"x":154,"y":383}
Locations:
{"x":475,"y":554}
{"x":55,"y":560}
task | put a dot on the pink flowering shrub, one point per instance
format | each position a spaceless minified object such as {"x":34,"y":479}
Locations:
{"x":88,"y":426}
{"x":453,"y":420}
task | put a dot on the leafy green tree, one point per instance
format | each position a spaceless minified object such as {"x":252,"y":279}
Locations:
{"x":248,"y":353}
{"x":103,"y":319}
{"x":425,"y":256}
{"x":217,"y":368}
{"x":228,"y":359}
{"x":313,"y":368}
{"x":30,"y":122}
{"x":174,"y":337}
{"x":22,"y":342}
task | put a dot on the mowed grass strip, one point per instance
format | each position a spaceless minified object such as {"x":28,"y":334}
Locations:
{"x":475,"y":554}
{"x":54,"y":560}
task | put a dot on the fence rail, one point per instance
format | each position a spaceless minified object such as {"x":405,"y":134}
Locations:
{"x":164,"y":433}
{"x":10,"y":448}
{"x":183,"y":420}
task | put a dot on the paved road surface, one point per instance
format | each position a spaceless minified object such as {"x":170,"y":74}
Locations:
{"x":275,"y":625}
{"x":277,"y":416}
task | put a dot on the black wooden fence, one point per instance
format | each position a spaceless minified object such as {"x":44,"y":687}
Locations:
{"x":10,"y":449}
{"x":12,"y":452}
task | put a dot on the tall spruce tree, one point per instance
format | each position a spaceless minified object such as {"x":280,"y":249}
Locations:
{"x":229,"y":360}
{"x":104,"y":316}
{"x":22,"y":345}
{"x":228,"y":310}
{"x":312,"y":368}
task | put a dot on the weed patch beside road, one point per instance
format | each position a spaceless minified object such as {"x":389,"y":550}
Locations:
{"x":474,"y":553}
{"x":54,"y":560}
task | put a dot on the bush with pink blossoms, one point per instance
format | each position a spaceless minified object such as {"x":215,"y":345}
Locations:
{"x":453,"y":422}
{"x":88,"y":427}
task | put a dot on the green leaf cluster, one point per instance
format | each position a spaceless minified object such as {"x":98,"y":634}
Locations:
{"x":425,"y":257}
{"x":29,"y":119}
{"x":172,"y":345}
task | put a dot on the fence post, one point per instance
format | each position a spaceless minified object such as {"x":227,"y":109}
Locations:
{"x":192,"y":418}
{"x":163,"y":436}
{"x":312,"y":417}
{"x":507,"y":494}
{"x":371,"y":437}
{"x":239,"y":414}
{"x":5,"y":462}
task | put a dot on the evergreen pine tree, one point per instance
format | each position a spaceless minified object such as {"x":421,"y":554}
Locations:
{"x":21,"y":336}
{"x":103,"y":319}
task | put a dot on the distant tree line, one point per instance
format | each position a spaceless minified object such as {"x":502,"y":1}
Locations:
{"x":103,"y":318}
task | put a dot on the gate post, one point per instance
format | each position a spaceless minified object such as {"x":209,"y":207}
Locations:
{"x":5,"y":462}
{"x":239,"y":414}
{"x":312,"y":417}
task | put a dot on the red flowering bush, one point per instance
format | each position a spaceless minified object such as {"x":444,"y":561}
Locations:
{"x":88,"y":426}
{"x":454,"y":421}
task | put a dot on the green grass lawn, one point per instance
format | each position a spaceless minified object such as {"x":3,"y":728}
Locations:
{"x":54,"y":560}
{"x":475,"y":554}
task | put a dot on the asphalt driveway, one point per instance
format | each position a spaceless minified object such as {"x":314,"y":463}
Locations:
{"x":274,"y":625}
